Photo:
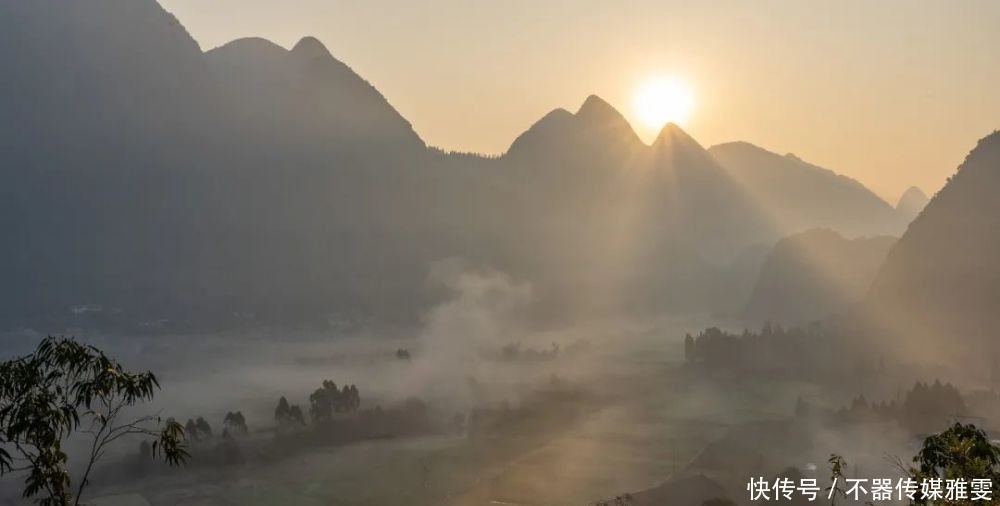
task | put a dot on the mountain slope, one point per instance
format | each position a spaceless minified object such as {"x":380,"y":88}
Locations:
{"x":940,"y":284}
{"x":632,"y":225}
{"x":190,"y":186}
{"x":81,"y":70}
{"x":798,"y":195}
{"x":912,"y":202}
{"x":178,"y":189}
{"x":306,"y":94}
{"x":161,"y":183}
{"x":815,"y":274}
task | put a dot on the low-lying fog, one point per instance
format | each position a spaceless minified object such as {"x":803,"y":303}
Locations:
{"x":474,"y":407}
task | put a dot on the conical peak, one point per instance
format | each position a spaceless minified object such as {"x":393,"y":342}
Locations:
{"x":914,"y":192}
{"x":596,"y":125}
{"x":249,"y":44}
{"x":598,"y":116}
{"x":556,"y":124}
{"x":596,"y":108}
{"x":311,"y":47}
{"x":558,"y":114}
{"x":673,"y":135}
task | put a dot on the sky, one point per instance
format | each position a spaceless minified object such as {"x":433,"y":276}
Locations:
{"x":892,"y":93}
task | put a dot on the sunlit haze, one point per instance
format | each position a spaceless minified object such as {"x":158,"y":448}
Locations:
{"x":521,"y":252}
{"x":886,"y":92}
{"x":663,"y":100}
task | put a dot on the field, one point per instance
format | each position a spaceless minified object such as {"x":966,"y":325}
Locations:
{"x":642,"y":421}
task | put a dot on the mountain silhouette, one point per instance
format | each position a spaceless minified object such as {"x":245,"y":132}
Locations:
{"x":167,"y":184}
{"x":912,"y":202}
{"x":185,"y":185}
{"x":938,"y":287}
{"x":798,"y":195}
{"x":598,"y":115}
{"x":815,"y":274}
{"x":84,"y":70}
{"x":597,"y":130}
{"x":307,"y":94}
{"x":675,"y":145}
{"x":670,"y":216}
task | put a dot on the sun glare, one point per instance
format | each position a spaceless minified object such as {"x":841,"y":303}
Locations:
{"x":663,"y":100}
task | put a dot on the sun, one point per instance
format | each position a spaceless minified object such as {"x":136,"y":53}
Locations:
{"x":663,"y":100}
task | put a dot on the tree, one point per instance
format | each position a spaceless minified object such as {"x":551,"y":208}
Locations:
{"x":836,"y":488}
{"x":329,"y":399}
{"x":321,"y":402}
{"x":286,"y":415}
{"x":962,"y":451}
{"x":350,"y":399}
{"x":927,"y":408}
{"x":204,"y":429}
{"x":62,"y":389}
{"x":281,"y":412}
{"x":234,"y":422}
{"x":295,"y":415}
{"x":191,"y":430}
{"x":344,"y":400}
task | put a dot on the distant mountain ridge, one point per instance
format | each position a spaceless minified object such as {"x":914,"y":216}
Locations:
{"x":912,"y":202}
{"x":252,"y":182}
{"x":673,"y":215}
{"x":798,"y":195}
{"x":596,"y":129}
{"x":308,"y":91}
{"x":938,"y":289}
{"x":815,"y":274}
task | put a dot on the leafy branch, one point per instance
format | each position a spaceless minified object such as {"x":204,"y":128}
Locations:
{"x":65,"y":387}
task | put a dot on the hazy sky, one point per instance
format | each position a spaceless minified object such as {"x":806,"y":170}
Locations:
{"x":893,"y":93}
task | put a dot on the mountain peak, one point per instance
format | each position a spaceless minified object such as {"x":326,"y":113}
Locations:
{"x":596,"y":125}
{"x":311,"y":47}
{"x":595,"y":107}
{"x":248,"y":50}
{"x":553,"y":125}
{"x":598,"y":115}
{"x":554,"y":119}
{"x":676,"y":148}
{"x":914,"y":192}
{"x":912,"y":202}
{"x":672,"y":136}
{"x":250,"y":43}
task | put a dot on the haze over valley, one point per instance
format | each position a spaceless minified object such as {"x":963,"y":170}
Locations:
{"x":338,"y":312}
